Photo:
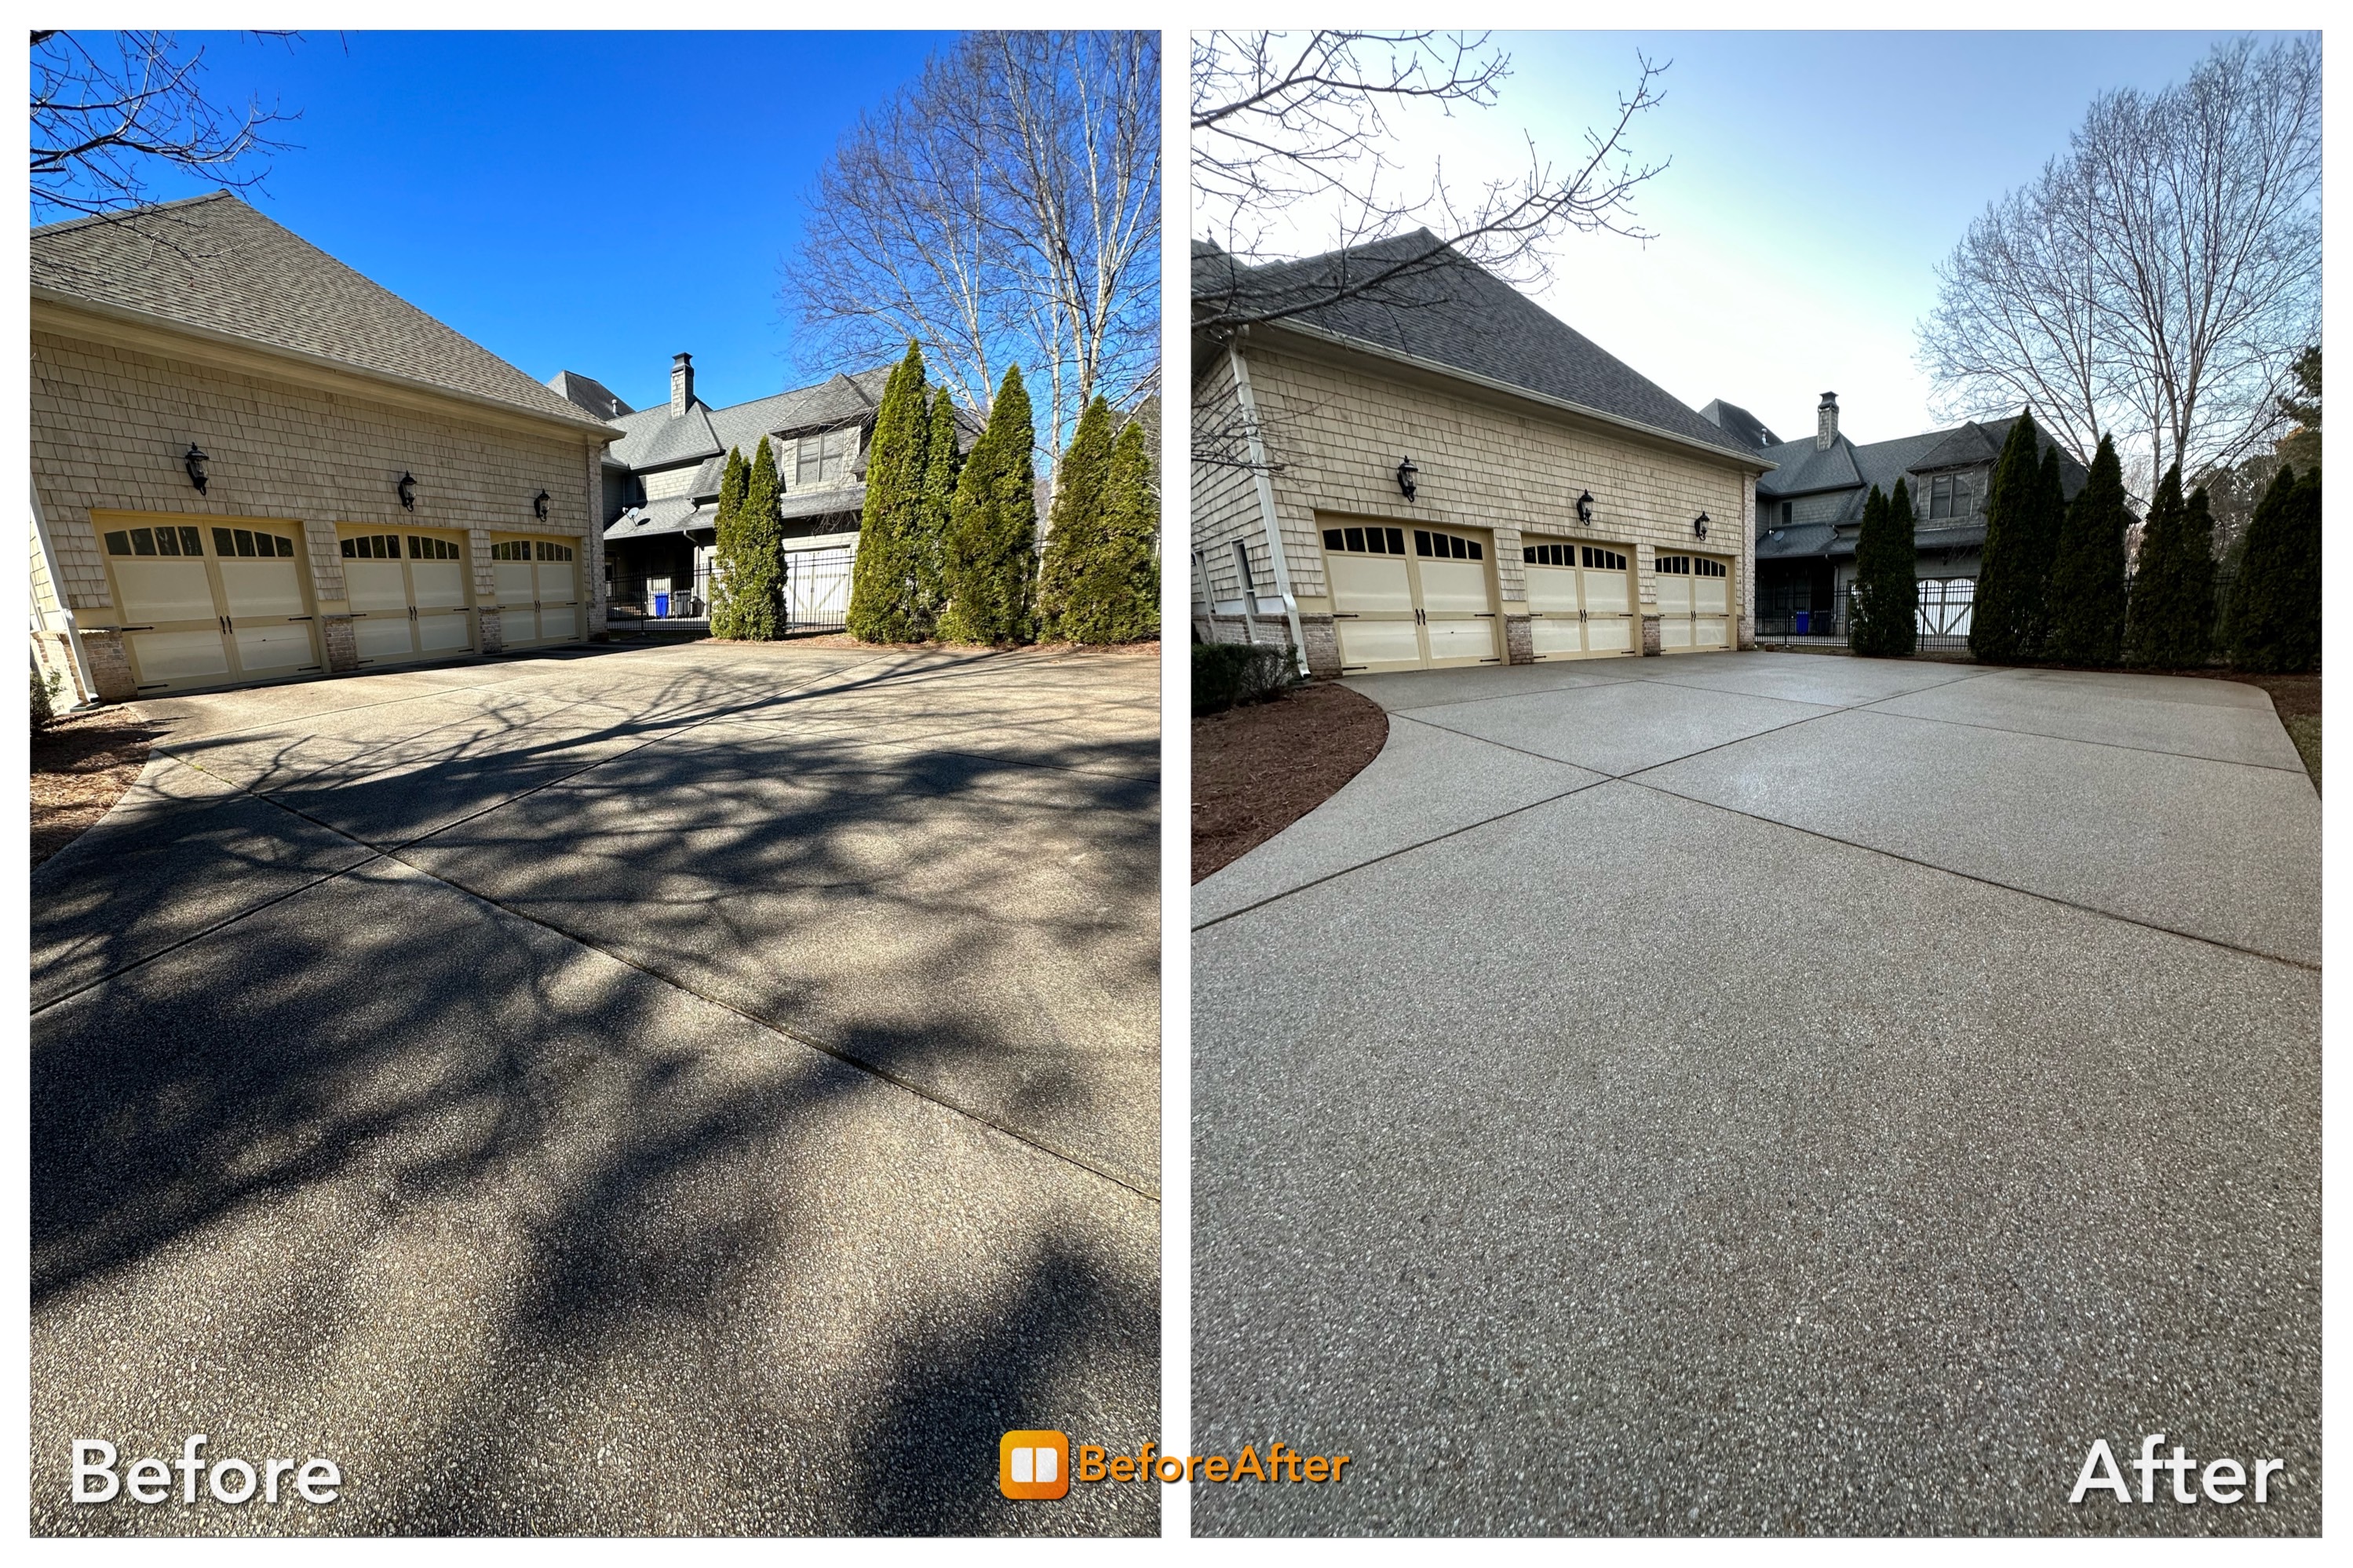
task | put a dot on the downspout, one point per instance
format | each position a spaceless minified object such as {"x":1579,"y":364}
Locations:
{"x":1264,"y":480}
{"x":65,"y":600}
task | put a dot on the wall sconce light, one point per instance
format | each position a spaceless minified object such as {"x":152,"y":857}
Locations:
{"x":407,"y":489}
{"x":1405,"y":471}
{"x":1699,"y":525}
{"x":539,"y":506}
{"x":1585,"y":507}
{"x":194,"y":463}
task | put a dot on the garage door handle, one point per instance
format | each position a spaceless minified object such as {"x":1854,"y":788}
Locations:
{"x":135,"y":630}
{"x":291,"y":618}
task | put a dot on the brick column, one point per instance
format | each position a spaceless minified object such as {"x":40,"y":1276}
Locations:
{"x":1650,"y":636}
{"x":1519,"y":642}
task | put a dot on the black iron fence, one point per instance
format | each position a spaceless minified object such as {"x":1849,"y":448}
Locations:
{"x":1946,"y":607}
{"x":816,"y":588}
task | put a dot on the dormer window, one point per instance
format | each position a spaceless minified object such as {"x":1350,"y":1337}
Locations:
{"x":823,"y":458}
{"x":1952,"y":495}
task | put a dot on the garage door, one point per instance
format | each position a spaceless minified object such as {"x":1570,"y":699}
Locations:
{"x":210,"y":604}
{"x":538,"y":588}
{"x":1418,"y":598}
{"x":1581,"y":600}
{"x":1695,"y":603}
{"x":408,"y":593}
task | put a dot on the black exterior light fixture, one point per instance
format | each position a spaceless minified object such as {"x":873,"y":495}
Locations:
{"x":1405,"y":471}
{"x":194,"y":463}
{"x":539,"y":506}
{"x":407,"y":489}
{"x":1699,"y":525}
{"x":1585,"y":507}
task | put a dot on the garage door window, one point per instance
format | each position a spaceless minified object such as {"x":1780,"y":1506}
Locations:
{"x":154,"y":542}
{"x":554,"y":551}
{"x":372,"y":547}
{"x":1366,"y":541}
{"x":423,"y":549}
{"x":1430,"y":542}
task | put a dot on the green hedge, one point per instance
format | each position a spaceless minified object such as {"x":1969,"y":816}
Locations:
{"x":1228,"y":675}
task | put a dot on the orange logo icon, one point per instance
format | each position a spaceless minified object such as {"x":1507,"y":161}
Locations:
{"x":1033,"y":1465}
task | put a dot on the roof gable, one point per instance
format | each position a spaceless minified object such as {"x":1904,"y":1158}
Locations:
{"x":215,"y":265}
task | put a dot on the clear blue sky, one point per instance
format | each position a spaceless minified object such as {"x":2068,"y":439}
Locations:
{"x":1817,"y":180}
{"x":593,"y":202}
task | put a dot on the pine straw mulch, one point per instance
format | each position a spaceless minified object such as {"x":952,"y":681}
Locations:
{"x":1257,"y":770}
{"x":1147,"y":649}
{"x":82,"y":763}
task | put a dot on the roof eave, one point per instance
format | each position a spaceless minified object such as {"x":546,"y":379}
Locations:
{"x":586,"y":425}
{"x":1730,"y":456}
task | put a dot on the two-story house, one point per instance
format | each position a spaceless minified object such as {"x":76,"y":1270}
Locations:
{"x":661,"y":489}
{"x":1810,"y":513}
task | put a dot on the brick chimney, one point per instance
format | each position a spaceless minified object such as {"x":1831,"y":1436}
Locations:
{"x":681,"y":386}
{"x":1825,"y":422}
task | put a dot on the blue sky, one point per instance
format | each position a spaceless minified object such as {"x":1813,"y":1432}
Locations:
{"x":593,"y":202}
{"x":1817,"y":180}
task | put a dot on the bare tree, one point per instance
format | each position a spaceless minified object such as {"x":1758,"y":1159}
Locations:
{"x":1283,"y":122}
{"x":1004,"y":205}
{"x":2157,"y":281}
{"x":109,"y":108}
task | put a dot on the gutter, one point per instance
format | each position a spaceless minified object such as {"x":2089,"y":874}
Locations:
{"x":1456,"y":373}
{"x":578,"y":428}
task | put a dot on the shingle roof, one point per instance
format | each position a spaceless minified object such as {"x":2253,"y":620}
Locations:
{"x":214,"y":265}
{"x":1457,"y":314}
{"x":652,"y":438}
{"x":588,"y":393}
{"x":1855,"y":468}
{"x":1741,"y":424}
{"x":678,"y":514}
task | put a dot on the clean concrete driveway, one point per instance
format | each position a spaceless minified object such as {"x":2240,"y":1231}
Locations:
{"x":1767,"y":1093}
{"x":691,"y":1090}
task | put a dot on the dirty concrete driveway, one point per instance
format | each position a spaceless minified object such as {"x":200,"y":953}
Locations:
{"x":695,"y":1090}
{"x":1768,"y":1094}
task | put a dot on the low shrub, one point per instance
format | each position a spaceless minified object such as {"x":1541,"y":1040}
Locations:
{"x":1230,"y":675}
{"x":44,"y":698}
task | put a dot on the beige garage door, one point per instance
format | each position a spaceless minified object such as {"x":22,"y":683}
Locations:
{"x":408,"y":593}
{"x":539,"y":589}
{"x":1410,"y":598}
{"x":1695,"y":603}
{"x":210,"y":604}
{"x":1581,"y":600}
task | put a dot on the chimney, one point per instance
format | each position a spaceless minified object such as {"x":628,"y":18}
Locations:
{"x":682,"y":386}
{"x":1825,"y":422}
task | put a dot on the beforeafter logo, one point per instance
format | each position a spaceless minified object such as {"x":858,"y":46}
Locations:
{"x":1036,"y":1465}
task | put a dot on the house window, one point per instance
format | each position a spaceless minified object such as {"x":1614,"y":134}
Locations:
{"x":823,"y":458}
{"x":1952,"y":495}
{"x":1242,"y":565}
{"x":1787,"y":507}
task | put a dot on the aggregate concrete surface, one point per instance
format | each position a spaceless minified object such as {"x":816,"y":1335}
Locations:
{"x":1833,"y":1126}
{"x":689,"y":1090}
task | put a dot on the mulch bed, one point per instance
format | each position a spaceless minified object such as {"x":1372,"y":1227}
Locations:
{"x":1258,"y":770}
{"x":81,"y":765}
{"x":843,"y":640}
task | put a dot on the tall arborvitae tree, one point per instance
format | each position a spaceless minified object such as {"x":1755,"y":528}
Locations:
{"x":1074,"y":530}
{"x":2171,"y":618}
{"x":2274,"y":617}
{"x":1896,"y":576}
{"x":927,"y":541}
{"x":882,"y":578}
{"x":757,"y":578}
{"x":2011,"y":582}
{"x":992,"y":565}
{"x":1117,"y":595}
{"x":2087,"y":577}
{"x":1862,"y":633}
{"x":737,"y":475}
{"x":2050,"y":518}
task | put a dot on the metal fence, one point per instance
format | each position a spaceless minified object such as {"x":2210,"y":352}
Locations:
{"x":816,"y":589}
{"x":659,"y":596}
{"x":1946,"y":607}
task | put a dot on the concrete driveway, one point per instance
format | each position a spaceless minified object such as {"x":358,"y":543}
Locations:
{"x":1767,"y":1093}
{"x":686,"y":1090}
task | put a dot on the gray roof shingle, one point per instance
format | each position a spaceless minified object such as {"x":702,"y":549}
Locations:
{"x":1457,"y":314}
{"x":214,"y":264}
{"x":589,"y":393}
{"x":652,"y":438}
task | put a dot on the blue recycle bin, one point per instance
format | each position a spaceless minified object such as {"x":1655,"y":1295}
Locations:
{"x":661,"y":606}
{"x":1803,"y":616}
